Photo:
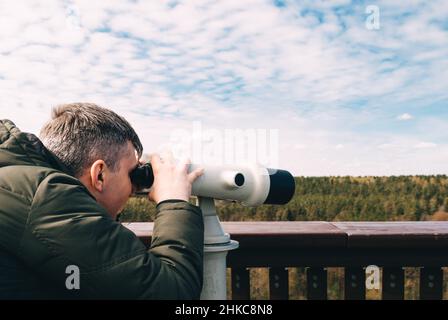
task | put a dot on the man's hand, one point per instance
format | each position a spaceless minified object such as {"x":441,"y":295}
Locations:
{"x":171,"y":181}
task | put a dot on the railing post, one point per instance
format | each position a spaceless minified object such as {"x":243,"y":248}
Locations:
{"x":240,"y":284}
{"x":393,"y":283}
{"x":431,"y":283}
{"x":355,"y":283}
{"x":316,"y":279}
{"x":278,"y":283}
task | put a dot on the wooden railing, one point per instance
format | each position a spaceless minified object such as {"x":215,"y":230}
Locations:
{"x":349,"y":245}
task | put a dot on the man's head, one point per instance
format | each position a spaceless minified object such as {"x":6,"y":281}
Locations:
{"x":98,"y":147}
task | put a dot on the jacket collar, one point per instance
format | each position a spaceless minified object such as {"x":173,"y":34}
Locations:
{"x":21,"y":148}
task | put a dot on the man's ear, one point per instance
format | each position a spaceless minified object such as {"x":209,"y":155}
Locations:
{"x":98,"y":175}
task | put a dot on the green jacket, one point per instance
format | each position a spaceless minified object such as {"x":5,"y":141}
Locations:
{"x":49,"y":221}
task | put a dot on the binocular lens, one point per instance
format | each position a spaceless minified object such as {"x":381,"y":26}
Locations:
{"x":142,"y":176}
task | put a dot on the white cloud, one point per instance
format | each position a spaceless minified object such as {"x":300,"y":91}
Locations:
{"x":228,"y":63}
{"x":405,"y":117}
{"x":425,"y":145}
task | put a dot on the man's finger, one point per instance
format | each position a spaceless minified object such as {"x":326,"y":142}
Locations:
{"x":155,"y":161}
{"x":167,"y":157}
{"x":195,"y":174}
{"x":151,"y":195}
{"x":184,"y":164}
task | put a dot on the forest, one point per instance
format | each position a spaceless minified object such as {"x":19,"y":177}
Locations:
{"x":395,"y":198}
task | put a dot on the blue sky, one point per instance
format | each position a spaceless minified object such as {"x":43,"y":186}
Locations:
{"x":346,"y":100}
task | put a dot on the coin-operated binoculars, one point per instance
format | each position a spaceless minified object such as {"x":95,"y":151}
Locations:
{"x":252,"y":185}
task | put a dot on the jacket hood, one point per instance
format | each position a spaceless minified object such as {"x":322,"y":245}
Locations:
{"x":21,"y":148}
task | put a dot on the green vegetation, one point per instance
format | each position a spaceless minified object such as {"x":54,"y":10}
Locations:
{"x":410,"y":198}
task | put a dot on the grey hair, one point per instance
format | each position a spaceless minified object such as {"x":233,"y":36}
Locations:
{"x":81,"y":133}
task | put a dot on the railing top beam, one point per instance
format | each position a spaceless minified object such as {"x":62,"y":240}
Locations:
{"x":318,"y":234}
{"x":406,"y":234}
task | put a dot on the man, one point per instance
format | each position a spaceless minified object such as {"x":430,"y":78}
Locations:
{"x":59,"y":199}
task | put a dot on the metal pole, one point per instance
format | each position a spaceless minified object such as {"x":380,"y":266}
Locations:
{"x":216,"y":245}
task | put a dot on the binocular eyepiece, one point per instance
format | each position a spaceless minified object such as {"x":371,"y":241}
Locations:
{"x":252,"y":185}
{"x":142,"y":176}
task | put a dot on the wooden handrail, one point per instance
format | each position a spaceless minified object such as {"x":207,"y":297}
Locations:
{"x":317,"y":245}
{"x":317,"y":234}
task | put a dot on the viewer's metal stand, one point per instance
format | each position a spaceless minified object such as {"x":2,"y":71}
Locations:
{"x":216,"y":245}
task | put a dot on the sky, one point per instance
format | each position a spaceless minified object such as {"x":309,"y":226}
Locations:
{"x":325,"y":87}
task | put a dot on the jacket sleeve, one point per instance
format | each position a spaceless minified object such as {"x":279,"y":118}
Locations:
{"x":66,"y":226}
